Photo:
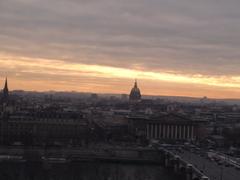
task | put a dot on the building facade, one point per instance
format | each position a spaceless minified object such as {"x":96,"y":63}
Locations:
{"x":41,"y":128}
{"x":166,"y":127}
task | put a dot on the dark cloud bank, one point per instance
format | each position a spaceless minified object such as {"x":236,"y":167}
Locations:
{"x":186,"y":36}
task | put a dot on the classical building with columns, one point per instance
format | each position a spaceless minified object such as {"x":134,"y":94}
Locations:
{"x":166,"y":127}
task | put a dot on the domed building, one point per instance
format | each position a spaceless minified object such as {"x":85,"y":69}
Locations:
{"x":135,"y":94}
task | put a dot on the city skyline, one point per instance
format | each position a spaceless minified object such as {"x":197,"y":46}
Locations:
{"x":172,"y":48}
{"x":5,"y":86}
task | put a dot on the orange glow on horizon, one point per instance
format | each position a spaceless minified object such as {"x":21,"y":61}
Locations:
{"x":46,"y":74}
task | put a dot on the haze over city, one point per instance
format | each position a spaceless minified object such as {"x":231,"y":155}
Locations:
{"x":173,"y":48}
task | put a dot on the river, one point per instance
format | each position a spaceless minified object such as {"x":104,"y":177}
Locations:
{"x":83,"y":171}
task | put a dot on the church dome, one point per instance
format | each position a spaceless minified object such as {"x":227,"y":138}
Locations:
{"x":135,"y":94}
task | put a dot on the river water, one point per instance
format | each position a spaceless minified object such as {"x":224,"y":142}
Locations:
{"x":83,"y":171}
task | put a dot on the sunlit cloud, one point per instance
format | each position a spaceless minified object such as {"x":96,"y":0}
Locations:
{"x":58,"y":67}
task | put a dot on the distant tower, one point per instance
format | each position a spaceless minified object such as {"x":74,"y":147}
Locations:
{"x":135,"y":94}
{"x":5,"y":92}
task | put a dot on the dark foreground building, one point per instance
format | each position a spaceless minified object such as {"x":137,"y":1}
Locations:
{"x":41,"y":128}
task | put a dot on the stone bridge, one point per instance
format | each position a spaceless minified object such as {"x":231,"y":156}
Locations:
{"x":181,"y":166}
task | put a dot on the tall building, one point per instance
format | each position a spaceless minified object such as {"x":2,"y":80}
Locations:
{"x":135,"y":94}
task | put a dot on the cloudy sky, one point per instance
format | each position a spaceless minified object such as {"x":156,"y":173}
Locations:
{"x":173,"y":47}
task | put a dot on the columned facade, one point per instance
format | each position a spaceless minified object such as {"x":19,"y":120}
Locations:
{"x":166,"y":127}
{"x":170,"y":131}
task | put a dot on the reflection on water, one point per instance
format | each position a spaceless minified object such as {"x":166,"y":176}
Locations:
{"x":82,"y":171}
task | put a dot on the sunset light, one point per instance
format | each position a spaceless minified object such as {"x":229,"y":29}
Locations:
{"x":59,"y":68}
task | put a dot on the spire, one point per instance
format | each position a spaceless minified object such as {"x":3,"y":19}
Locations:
{"x":135,"y":84}
{"x":5,"y":89}
{"x":6,"y":84}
